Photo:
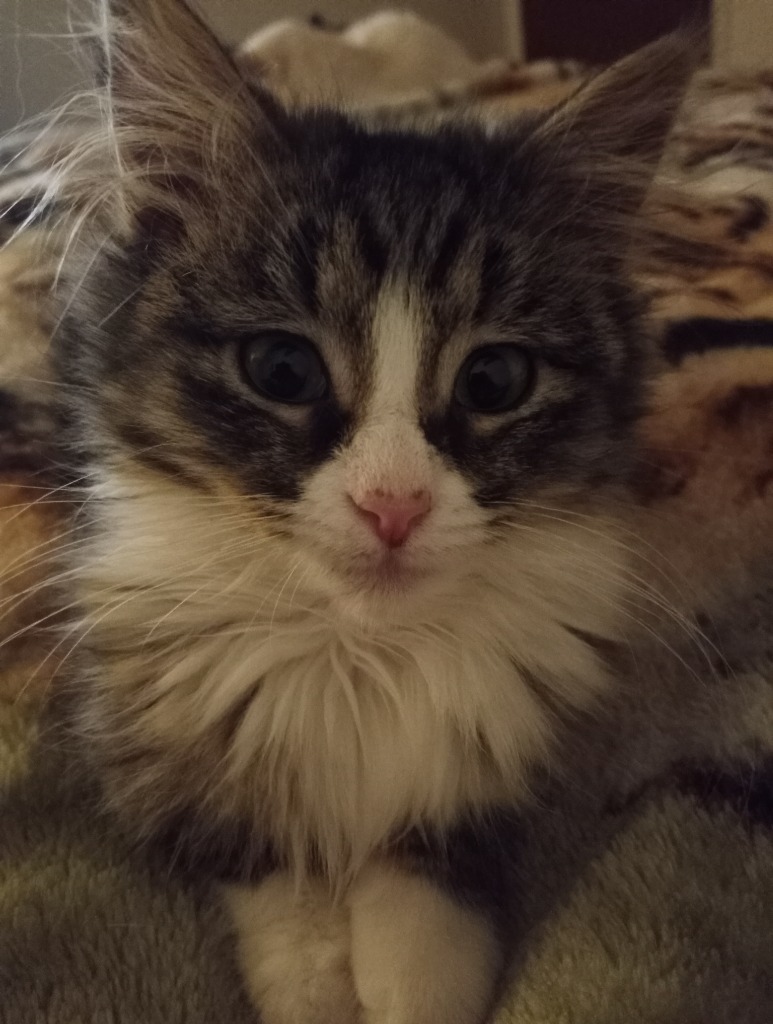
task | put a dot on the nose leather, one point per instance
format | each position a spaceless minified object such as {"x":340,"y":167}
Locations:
{"x":393,"y":517}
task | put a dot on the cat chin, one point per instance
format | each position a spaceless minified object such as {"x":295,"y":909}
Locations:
{"x":390,"y":575}
{"x":375,"y":601}
{"x":392,"y":588}
{"x":371,"y":610}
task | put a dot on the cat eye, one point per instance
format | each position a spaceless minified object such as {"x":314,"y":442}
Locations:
{"x":285,"y":367}
{"x":494,"y":379}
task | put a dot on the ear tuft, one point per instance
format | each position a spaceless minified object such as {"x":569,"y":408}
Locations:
{"x":151,"y":45}
{"x":171,"y":116}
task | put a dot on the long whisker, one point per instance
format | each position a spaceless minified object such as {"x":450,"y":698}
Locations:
{"x":645,"y":592}
{"x":618,"y":527}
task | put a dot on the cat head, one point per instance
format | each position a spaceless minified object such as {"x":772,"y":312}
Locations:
{"x":404,"y":351}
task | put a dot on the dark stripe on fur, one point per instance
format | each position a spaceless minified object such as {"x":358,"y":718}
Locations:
{"x":701,"y":334}
{"x":448,"y":252}
{"x":374,"y":249}
{"x":495,"y":272}
{"x":151,"y":451}
{"x":305,"y":247}
{"x":469,"y":861}
{"x":26,"y":434}
{"x":755,"y":216}
{"x":239,"y":434}
{"x":745,"y":789}
{"x":207,"y":851}
{"x":167,"y":466}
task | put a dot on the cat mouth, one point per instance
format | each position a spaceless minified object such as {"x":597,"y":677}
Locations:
{"x":389,"y":573}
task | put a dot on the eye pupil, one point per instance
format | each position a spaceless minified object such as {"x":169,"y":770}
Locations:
{"x":494,"y":379}
{"x":285,"y":371}
{"x":488,"y":381}
{"x":285,"y":368}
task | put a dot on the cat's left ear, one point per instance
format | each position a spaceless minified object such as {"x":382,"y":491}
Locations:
{"x":177,"y":113}
{"x":613,"y":130}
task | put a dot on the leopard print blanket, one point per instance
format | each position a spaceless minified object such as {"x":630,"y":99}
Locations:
{"x":646,"y":869}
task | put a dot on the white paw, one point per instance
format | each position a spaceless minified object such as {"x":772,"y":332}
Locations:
{"x":418,"y":956}
{"x":398,"y":951}
{"x":294,"y":950}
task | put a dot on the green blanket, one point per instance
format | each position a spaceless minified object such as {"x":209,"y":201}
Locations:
{"x":89,"y":933}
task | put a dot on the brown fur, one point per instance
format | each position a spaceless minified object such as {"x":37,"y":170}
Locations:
{"x":27,"y":527}
{"x":28,"y":524}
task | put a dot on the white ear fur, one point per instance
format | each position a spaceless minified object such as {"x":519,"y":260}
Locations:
{"x":169,"y":116}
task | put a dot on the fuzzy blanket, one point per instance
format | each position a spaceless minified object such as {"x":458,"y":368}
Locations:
{"x":645,"y":867}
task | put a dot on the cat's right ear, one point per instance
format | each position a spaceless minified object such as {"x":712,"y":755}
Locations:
{"x":612,"y":132}
{"x":175,"y":112}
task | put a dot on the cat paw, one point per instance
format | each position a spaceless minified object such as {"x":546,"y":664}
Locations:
{"x":294,"y":951}
{"x":418,"y":955}
{"x":398,"y":950}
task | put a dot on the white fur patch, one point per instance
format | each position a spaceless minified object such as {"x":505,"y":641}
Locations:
{"x":389,"y":452}
{"x":418,"y":956}
{"x":398,"y":951}
{"x":295,"y":952}
{"x":350,"y":726}
{"x":396,"y":335}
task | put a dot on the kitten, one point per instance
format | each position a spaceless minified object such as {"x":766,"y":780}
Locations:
{"x":352,"y":402}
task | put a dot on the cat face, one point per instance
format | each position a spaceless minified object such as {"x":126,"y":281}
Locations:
{"x":391,"y":343}
{"x":397,"y":345}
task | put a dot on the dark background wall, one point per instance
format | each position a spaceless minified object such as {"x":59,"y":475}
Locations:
{"x":600,"y":30}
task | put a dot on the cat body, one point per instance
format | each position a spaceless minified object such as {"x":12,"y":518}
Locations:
{"x":352,"y":404}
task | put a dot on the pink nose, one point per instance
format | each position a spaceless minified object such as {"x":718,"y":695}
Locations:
{"x":393,"y":517}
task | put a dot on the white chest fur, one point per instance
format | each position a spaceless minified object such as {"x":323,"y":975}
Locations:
{"x":344,"y":734}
